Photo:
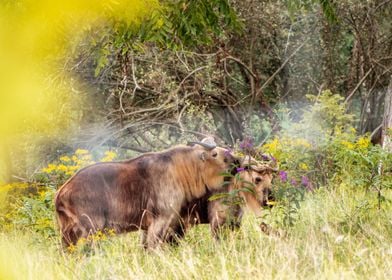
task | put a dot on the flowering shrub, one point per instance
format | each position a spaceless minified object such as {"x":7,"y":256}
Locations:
{"x":323,"y":149}
{"x":30,"y":205}
{"x":68,"y":165}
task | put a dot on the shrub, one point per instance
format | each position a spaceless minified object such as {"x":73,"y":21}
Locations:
{"x":29,"y":205}
{"x":323,"y":149}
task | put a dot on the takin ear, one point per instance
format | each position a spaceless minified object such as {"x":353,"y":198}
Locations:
{"x":203,"y":156}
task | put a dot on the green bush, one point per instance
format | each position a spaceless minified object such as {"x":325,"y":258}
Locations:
{"x":324,"y":149}
{"x":29,"y":206}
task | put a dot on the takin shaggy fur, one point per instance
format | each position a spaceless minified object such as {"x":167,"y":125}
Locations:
{"x":253,"y":185}
{"x":147,"y":192}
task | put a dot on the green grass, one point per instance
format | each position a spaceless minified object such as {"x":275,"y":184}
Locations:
{"x":338,"y":235}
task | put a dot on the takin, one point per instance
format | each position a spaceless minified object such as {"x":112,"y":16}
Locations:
{"x":252,"y":184}
{"x":145,"y":193}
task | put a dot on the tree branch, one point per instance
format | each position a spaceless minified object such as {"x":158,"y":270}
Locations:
{"x":270,"y":79}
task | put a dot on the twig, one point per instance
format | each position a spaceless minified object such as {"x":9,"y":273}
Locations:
{"x":358,"y":85}
{"x":134,"y":78}
{"x":269,"y":80}
{"x":187,"y":76}
{"x":242,"y":64}
{"x":124,"y":84}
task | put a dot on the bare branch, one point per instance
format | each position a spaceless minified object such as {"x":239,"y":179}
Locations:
{"x":271,"y":78}
{"x":242,"y":64}
{"x":358,"y":85}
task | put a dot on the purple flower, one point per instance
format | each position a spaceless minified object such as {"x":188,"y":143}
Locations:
{"x":283,"y":176}
{"x":239,"y":169}
{"x":293,"y":182}
{"x":305,"y":181}
{"x":246,"y":144}
{"x":265,"y":157}
{"x":273,"y":158}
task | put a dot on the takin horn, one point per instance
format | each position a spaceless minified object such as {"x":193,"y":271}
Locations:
{"x":208,"y":146}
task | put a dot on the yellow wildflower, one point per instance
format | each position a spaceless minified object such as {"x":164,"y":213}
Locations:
{"x":303,"y":166}
{"x":272,"y":146}
{"x":49,"y":169}
{"x":347,"y":144}
{"x":81,"y":152}
{"x":73,"y":167}
{"x":159,"y":23}
{"x":42,"y":194}
{"x":99,"y":235}
{"x":302,"y":142}
{"x":62,"y":168}
{"x":109,"y":156}
{"x":84,"y":160}
{"x":81,"y":241}
{"x":271,"y":203}
{"x":71,"y":248}
{"x":65,"y":159}
{"x":363,"y":142}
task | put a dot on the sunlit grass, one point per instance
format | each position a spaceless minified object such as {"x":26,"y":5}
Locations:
{"x":338,"y":236}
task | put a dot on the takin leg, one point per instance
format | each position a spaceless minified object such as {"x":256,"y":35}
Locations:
{"x":69,"y":227}
{"x":217,"y":212}
{"x":157,"y":232}
{"x":73,"y":228}
{"x":176,"y":234}
{"x":222,"y":216}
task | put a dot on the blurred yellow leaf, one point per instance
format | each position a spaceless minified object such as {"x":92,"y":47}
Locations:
{"x":35,"y":36}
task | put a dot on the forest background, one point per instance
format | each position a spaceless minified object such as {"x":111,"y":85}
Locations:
{"x":306,"y":81}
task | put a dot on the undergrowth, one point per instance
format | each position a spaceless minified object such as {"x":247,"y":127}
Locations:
{"x":332,"y":217}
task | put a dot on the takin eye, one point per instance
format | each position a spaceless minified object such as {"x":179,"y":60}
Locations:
{"x":214,"y":154}
{"x":258,"y":180}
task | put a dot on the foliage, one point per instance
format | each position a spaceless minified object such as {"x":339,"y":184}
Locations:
{"x":327,"y":6}
{"x":29,"y":206}
{"x":189,"y":23}
{"x":146,"y":78}
{"x":336,"y":235}
{"x":323,"y":149}
{"x":320,"y":149}
{"x":116,"y":83}
{"x":326,"y":214}
{"x":323,"y":145}
{"x":36,"y":95}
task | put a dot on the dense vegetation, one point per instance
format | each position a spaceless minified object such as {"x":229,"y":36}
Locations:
{"x":303,"y":82}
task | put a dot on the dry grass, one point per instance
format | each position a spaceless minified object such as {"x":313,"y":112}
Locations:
{"x":339,"y":235}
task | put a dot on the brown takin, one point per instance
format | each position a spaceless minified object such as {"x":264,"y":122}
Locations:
{"x":145,"y":193}
{"x":252,"y":185}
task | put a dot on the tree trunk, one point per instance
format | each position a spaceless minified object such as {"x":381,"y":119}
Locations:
{"x":386,"y":136}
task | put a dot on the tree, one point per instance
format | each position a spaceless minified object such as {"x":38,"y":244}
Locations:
{"x":386,"y":138}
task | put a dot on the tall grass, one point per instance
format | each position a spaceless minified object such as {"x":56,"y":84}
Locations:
{"x":339,"y":234}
